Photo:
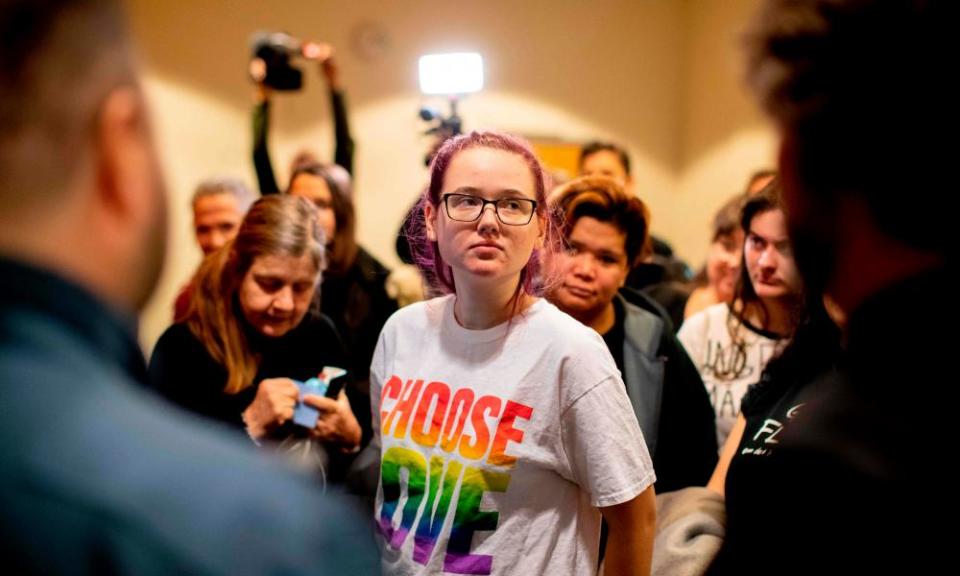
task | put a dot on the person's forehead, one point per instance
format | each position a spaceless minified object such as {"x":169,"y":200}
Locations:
{"x":483,"y":171}
{"x":603,"y":159}
{"x":283,"y":265}
{"x":311,"y":187}
{"x":214,"y":203}
{"x":770,"y":225}
{"x":308,"y":180}
{"x":482,"y":158}
{"x":599,"y":234}
{"x":730,"y":236}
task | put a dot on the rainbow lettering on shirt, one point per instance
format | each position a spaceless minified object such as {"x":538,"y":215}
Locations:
{"x":434,"y":417}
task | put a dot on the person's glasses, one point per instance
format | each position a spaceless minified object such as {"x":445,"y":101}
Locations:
{"x":510,"y":211}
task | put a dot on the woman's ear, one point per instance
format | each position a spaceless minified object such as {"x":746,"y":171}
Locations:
{"x":542,"y":232}
{"x":429,"y":220}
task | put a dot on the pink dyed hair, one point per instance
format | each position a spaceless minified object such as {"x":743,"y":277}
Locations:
{"x":426,"y":253}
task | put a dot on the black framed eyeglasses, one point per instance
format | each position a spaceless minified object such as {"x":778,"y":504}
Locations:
{"x":468,"y":208}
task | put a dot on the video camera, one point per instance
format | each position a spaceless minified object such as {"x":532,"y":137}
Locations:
{"x":276,"y":50}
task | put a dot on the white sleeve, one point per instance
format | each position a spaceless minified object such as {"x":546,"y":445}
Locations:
{"x":692,"y":335}
{"x":376,"y":387}
{"x":604,"y":445}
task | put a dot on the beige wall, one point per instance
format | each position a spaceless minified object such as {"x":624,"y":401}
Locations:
{"x":723,"y":134}
{"x":657,"y":75}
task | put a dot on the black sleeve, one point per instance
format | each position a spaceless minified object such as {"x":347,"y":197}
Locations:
{"x":341,"y":464}
{"x":357,"y":395}
{"x":380,"y":307}
{"x":686,"y":452}
{"x":183,"y":372}
{"x":168,"y":368}
{"x":343,"y":149}
{"x":261,"y":155}
{"x":672,"y":298}
{"x":761,"y":396}
{"x":815,"y":509}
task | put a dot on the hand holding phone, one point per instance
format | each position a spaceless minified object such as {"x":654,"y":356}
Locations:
{"x":328,"y":382}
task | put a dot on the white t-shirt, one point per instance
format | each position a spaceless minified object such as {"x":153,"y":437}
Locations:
{"x":727,"y":369}
{"x":497,"y":446}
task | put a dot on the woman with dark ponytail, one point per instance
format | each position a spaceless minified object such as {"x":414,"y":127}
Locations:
{"x":731,"y":342}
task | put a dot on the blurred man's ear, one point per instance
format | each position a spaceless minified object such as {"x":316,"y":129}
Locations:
{"x":123,"y":152}
{"x":129,"y":203}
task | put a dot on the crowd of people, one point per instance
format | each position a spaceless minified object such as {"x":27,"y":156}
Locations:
{"x":568,"y":399}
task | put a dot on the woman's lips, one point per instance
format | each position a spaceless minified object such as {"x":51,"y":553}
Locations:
{"x":490,"y":245}
{"x":579,"y":292}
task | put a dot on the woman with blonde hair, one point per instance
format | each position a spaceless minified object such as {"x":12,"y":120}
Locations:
{"x":253,"y":331}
